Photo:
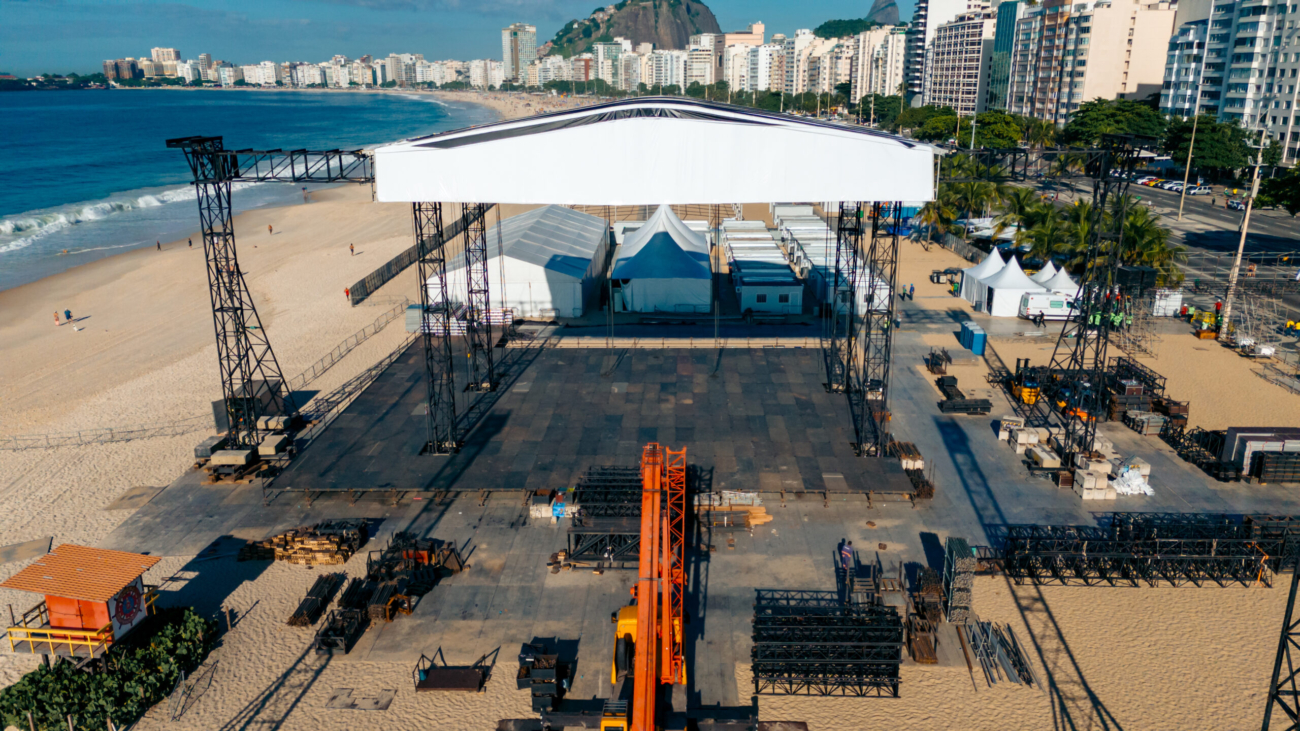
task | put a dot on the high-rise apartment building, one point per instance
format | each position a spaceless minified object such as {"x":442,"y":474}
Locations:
{"x":765,"y":67}
{"x":1250,"y":68}
{"x":735,"y":66}
{"x":796,"y":70}
{"x":1066,"y":54}
{"x":162,"y":55}
{"x":889,"y":64}
{"x":518,"y":49}
{"x":127,"y":69}
{"x":866,"y":44}
{"x":998,"y":70}
{"x":959,"y":52}
{"x":926,"y":19}
{"x":700,"y":65}
{"x":752,"y":36}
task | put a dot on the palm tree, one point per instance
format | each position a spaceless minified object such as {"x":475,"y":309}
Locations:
{"x":1048,"y":238}
{"x":1146,"y":243}
{"x":1021,"y":208}
{"x":938,"y":214}
{"x":973,"y":197}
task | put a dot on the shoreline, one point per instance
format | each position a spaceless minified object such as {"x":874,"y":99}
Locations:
{"x":502,"y":108}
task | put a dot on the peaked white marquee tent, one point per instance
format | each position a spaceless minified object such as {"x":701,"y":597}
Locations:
{"x":1061,"y":282}
{"x":971,"y":289}
{"x":654,"y":150}
{"x":664,"y":266}
{"x":1044,"y":274}
{"x":543,"y":263}
{"x":1004,"y":289}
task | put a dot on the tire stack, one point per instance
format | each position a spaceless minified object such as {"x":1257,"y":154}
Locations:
{"x":958,"y":579}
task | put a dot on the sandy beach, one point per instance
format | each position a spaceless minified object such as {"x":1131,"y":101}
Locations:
{"x":140,"y":351}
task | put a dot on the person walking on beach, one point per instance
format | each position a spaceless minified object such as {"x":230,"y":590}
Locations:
{"x":56,"y":318}
{"x":191,"y":243}
{"x":911,"y":291}
{"x":352,"y":250}
{"x":160,"y":246}
{"x":269,"y":232}
{"x":67,"y":315}
{"x":347,"y":292}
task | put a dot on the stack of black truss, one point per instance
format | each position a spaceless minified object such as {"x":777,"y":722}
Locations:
{"x":609,"y":492}
{"x":1132,"y":549}
{"x":814,"y":643}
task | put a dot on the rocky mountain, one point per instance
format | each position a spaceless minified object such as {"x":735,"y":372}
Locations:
{"x":884,"y":12}
{"x":668,"y":24}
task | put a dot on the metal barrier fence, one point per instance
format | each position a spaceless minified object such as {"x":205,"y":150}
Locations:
{"x":104,"y":436}
{"x":961,"y":248}
{"x":665,"y":342}
{"x":315,"y":370}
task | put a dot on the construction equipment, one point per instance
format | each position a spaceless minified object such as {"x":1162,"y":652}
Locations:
{"x":648,"y":633}
{"x":1024,"y":384}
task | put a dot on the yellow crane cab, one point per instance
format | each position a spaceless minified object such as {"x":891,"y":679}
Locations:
{"x":624,"y":643}
{"x":614,"y":716}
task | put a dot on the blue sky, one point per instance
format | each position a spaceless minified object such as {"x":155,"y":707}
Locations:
{"x":77,"y":35}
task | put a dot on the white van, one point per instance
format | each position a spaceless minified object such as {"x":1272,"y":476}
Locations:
{"x":1052,"y":305}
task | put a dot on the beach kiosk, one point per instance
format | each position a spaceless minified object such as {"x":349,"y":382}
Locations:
{"x":93,"y":598}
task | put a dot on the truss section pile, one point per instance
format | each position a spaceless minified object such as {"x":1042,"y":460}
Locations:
{"x":815,"y":643}
{"x":1136,"y":549}
{"x":609,"y":492}
{"x":958,"y":579}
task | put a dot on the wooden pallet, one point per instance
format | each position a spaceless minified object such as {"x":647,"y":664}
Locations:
{"x":318,"y":597}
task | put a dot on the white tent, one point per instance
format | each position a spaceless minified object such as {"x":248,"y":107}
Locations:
{"x":664,"y":267}
{"x":971,"y":289}
{"x":543,"y":263}
{"x":1004,"y":290}
{"x":1061,"y":282}
{"x":665,"y":150}
{"x":1044,"y":274}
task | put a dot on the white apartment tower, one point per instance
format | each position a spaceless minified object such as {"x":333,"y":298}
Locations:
{"x":960,"y":51}
{"x":796,"y":70}
{"x":926,"y":19}
{"x":518,"y":49}
{"x":865,"y":45}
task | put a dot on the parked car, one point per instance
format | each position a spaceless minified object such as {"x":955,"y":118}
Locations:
{"x":1153,"y":182}
{"x":1199,"y":190}
{"x":1170,"y":185}
{"x":1236,"y":205}
{"x":1175,"y":187}
{"x":1143,"y":180}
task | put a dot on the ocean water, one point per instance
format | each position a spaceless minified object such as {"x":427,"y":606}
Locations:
{"x":88,"y":173}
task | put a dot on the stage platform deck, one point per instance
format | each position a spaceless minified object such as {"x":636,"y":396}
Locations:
{"x":750,"y":419}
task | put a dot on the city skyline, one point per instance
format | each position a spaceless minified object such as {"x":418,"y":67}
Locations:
{"x":41,"y":37}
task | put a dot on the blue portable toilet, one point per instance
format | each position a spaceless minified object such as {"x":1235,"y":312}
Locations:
{"x":978,"y":338}
{"x":964,"y":336}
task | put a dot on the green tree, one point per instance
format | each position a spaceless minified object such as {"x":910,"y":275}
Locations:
{"x":916,"y":117}
{"x":1282,"y":192}
{"x":1273,"y":153}
{"x":885,"y":109}
{"x":937,"y":216}
{"x":1021,"y":208}
{"x":1220,"y":147}
{"x":843,"y":28}
{"x":1110,"y":116}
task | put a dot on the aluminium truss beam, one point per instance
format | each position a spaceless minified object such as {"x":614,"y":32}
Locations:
{"x":292,"y":166}
{"x":842,"y":355}
{"x":604,"y":546}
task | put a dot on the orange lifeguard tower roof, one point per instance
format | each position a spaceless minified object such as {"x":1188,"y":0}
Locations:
{"x":81,"y":572}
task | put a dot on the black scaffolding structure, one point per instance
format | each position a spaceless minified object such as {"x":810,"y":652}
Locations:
{"x":1284,"y":688}
{"x":1135,"y":549}
{"x":1078,"y":365}
{"x":252,"y":383}
{"x":609,"y":492}
{"x":815,"y":643}
{"x":478,"y":320}
{"x":859,"y":344}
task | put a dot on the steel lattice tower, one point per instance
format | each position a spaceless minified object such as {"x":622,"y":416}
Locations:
{"x":841,"y":365}
{"x":249,"y":370}
{"x":478,"y":323}
{"x":881,"y":276}
{"x":1078,"y":367}
{"x":435,"y":328}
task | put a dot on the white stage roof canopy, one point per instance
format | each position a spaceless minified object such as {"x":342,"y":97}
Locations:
{"x":656,"y":150}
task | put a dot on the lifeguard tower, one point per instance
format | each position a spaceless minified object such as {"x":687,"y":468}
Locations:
{"x":93,"y":598}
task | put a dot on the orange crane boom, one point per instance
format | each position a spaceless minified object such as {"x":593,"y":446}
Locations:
{"x":645,"y":676}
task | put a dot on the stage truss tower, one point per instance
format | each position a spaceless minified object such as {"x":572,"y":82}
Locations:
{"x":478,"y":320}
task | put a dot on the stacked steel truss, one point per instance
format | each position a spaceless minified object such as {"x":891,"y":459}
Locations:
{"x":860,"y":346}
{"x":1133,"y":549}
{"x":435,"y":329}
{"x":609,"y":492}
{"x":813,"y":643}
{"x":1079,"y":359}
{"x":478,"y":323}
{"x":605,"y":541}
